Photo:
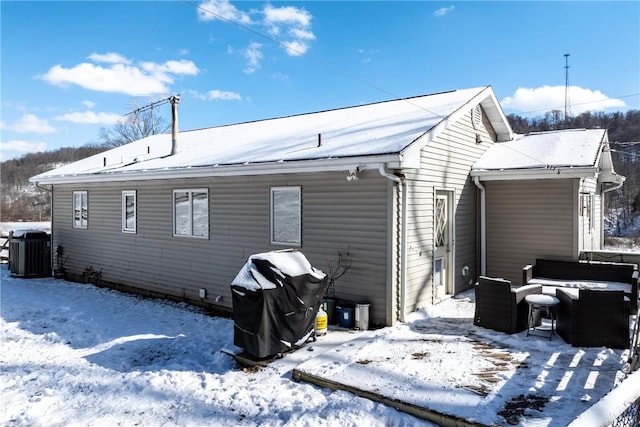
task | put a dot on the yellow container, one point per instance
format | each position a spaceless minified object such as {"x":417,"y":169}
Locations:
{"x":322,"y":322}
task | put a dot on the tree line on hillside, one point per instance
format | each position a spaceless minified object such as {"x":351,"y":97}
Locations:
{"x":21,"y":201}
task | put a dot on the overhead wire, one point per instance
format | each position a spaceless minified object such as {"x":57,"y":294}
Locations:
{"x":309,"y":57}
{"x":351,"y":76}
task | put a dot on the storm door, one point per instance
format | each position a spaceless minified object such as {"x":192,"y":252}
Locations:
{"x":443,"y":259}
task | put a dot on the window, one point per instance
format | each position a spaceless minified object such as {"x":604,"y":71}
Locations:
{"x":286,"y":216}
{"x":129,"y":211}
{"x":80,"y":209}
{"x":191,"y":213}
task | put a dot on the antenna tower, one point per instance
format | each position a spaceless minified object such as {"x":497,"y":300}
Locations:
{"x":566,"y":87}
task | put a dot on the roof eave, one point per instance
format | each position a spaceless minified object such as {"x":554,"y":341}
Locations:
{"x":528,"y":174}
{"x":391,"y":161}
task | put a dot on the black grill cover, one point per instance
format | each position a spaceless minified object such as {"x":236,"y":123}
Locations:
{"x":276,"y":297}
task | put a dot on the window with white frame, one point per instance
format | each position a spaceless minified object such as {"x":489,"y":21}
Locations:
{"x":80,"y":209}
{"x":286,"y":216}
{"x":191,"y":212}
{"x":129,"y":208}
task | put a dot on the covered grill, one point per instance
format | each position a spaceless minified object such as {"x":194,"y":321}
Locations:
{"x":276,"y":297}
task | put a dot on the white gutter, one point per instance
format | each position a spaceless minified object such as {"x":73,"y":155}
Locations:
{"x":403,"y":236}
{"x":551,"y":173}
{"x":244,"y":169}
{"x":483,"y":226}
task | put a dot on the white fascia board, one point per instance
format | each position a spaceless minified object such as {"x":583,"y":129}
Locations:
{"x":488,"y":100}
{"x":391,"y":161}
{"x":525,"y":174}
{"x":497,"y":117}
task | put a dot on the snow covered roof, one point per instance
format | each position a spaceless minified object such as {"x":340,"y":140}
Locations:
{"x":384,"y":132}
{"x":560,"y":153}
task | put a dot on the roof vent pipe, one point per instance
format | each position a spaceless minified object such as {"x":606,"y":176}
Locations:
{"x":175,"y":100}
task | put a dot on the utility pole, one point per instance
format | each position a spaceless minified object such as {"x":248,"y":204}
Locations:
{"x":566,"y":86}
{"x":172,"y":99}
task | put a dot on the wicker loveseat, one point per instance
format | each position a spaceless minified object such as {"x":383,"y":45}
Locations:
{"x":584,"y":275}
{"x":593,"y":318}
{"x":501,"y":307}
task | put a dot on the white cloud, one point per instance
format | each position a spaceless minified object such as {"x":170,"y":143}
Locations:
{"x":223,"y":95}
{"x":366,"y":54}
{"x":288,"y":15}
{"x":89,"y":104}
{"x":29,"y":123}
{"x":547,"y":98}
{"x":14,"y":147}
{"x":253,"y":53}
{"x":147,"y":79}
{"x":90,"y":117}
{"x":215,"y":95}
{"x":110,"y":58}
{"x":444,"y":10}
{"x":222,"y":9}
{"x":292,"y":26}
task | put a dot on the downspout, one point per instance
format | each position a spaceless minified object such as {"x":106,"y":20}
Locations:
{"x":483,"y":226}
{"x":400,"y":181}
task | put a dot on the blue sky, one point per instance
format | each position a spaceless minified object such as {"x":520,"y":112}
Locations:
{"x":71,"y":68}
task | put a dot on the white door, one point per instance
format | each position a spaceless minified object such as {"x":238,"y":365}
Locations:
{"x":443,"y":259}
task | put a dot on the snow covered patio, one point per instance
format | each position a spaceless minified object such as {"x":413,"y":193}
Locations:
{"x":439,"y":366}
{"x":75,"y":354}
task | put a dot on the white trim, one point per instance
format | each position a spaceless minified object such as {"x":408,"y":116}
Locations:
{"x":190,"y":192}
{"x":83,"y":223}
{"x":520,"y":174}
{"x":393,"y":161}
{"x":125,"y":195}
{"x":272,"y":219}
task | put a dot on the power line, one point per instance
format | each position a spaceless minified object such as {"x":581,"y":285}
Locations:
{"x":309,"y":57}
{"x":372,"y":85}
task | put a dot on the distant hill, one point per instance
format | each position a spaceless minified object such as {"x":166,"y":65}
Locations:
{"x":21,"y":200}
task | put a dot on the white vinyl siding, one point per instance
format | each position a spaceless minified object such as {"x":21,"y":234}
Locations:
{"x":589,"y":215}
{"x":129,"y":210}
{"x":286,"y":216}
{"x":445,"y":165}
{"x":80,"y":209}
{"x":191,"y":212}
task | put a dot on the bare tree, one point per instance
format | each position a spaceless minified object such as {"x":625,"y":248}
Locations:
{"x":135,"y":127}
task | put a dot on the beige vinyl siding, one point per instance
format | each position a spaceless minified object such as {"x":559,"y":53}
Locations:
{"x":445,"y":165}
{"x":336,"y":216}
{"x":527,"y":220}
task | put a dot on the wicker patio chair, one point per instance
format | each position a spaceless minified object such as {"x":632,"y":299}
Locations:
{"x":593,"y":318}
{"x":500,"y":306}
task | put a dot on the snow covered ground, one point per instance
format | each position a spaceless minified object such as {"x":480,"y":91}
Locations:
{"x":77,"y":355}
{"x":74,"y":354}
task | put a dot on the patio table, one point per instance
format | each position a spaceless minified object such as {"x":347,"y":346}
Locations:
{"x":542,"y":302}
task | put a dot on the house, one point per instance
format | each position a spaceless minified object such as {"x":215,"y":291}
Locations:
{"x":543,"y":197}
{"x":388,"y":186}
